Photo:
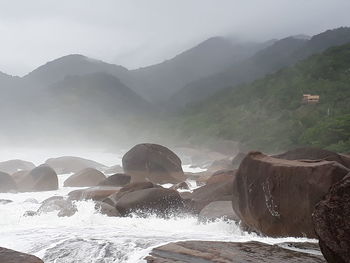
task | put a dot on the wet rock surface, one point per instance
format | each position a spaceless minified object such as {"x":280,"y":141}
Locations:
{"x":152,"y":200}
{"x":41,"y":178}
{"x":85,"y":177}
{"x":332,"y":222}
{"x":216,"y":210}
{"x":277,"y":197}
{"x":227,"y":252}
{"x":154,"y":163}
{"x":118,"y":179}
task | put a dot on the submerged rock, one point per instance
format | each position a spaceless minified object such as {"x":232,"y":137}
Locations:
{"x":106,"y":209}
{"x":154,"y":163}
{"x":332,"y":222}
{"x":276,"y":197}
{"x":227,"y":252}
{"x":65,"y":207}
{"x":85,"y":177}
{"x":12,"y":256}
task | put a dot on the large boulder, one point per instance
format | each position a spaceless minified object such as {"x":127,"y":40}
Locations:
{"x":13,"y":166}
{"x":72,"y":164}
{"x":12,"y":256}
{"x":153,"y":162}
{"x":228,"y":252}
{"x":160,"y":201}
{"x":310,"y":153}
{"x":85,"y":177}
{"x":106,"y":209}
{"x":7,"y":184}
{"x":332,"y":223}
{"x":41,"y":178}
{"x":276,"y":197}
{"x":116,"y":180}
{"x":97,"y":193}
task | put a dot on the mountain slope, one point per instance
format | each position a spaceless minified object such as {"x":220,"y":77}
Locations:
{"x":70,"y":65}
{"x":268,"y":114}
{"x":281,"y":54}
{"x":159,"y":82}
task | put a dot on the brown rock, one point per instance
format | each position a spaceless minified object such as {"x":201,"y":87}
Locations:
{"x":221,"y":176}
{"x":332,"y":222}
{"x":72,"y":164}
{"x":227,"y":252}
{"x":218,"y":209}
{"x":106,"y":209}
{"x":12,"y":256}
{"x":276,"y":197}
{"x":154,"y":163}
{"x":116,"y":180}
{"x":309,"y":153}
{"x":41,"y":178}
{"x":85,"y":177}
{"x":152,"y":200}
{"x":220,"y":191}
{"x":97,"y":193}
{"x":180,"y":186}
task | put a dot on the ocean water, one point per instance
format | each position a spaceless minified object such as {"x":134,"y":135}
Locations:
{"x":89,"y":236}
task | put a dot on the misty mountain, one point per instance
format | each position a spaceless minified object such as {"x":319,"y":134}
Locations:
{"x":70,"y":65}
{"x":159,"y":82}
{"x":282,"y":53}
{"x":269,"y":114}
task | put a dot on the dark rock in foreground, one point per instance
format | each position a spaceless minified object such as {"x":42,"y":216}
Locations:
{"x":332,"y":223}
{"x":13,"y":166}
{"x":72,"y":164}
{"x":154,"y":163}
{"x":12,"y":256}
{"x":277,"y":197}
{"x":116,"y":180}
{"x":227,"y":252}
{"x":85,"y":177}
{"x":7,"y":184}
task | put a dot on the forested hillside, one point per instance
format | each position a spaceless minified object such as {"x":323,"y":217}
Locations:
{"x":269,"y":114}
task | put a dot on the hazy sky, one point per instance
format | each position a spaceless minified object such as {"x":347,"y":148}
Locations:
{"x":136,"y":33}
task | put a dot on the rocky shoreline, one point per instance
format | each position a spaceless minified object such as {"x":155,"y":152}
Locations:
{"x":301,"y":193}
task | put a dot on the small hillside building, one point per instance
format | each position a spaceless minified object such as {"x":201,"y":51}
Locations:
{"x":310,"y":99}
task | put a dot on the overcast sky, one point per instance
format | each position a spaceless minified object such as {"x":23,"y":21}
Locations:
{"x":136,"y":33}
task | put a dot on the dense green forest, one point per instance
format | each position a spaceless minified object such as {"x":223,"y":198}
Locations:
{"x":269,"y":114}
